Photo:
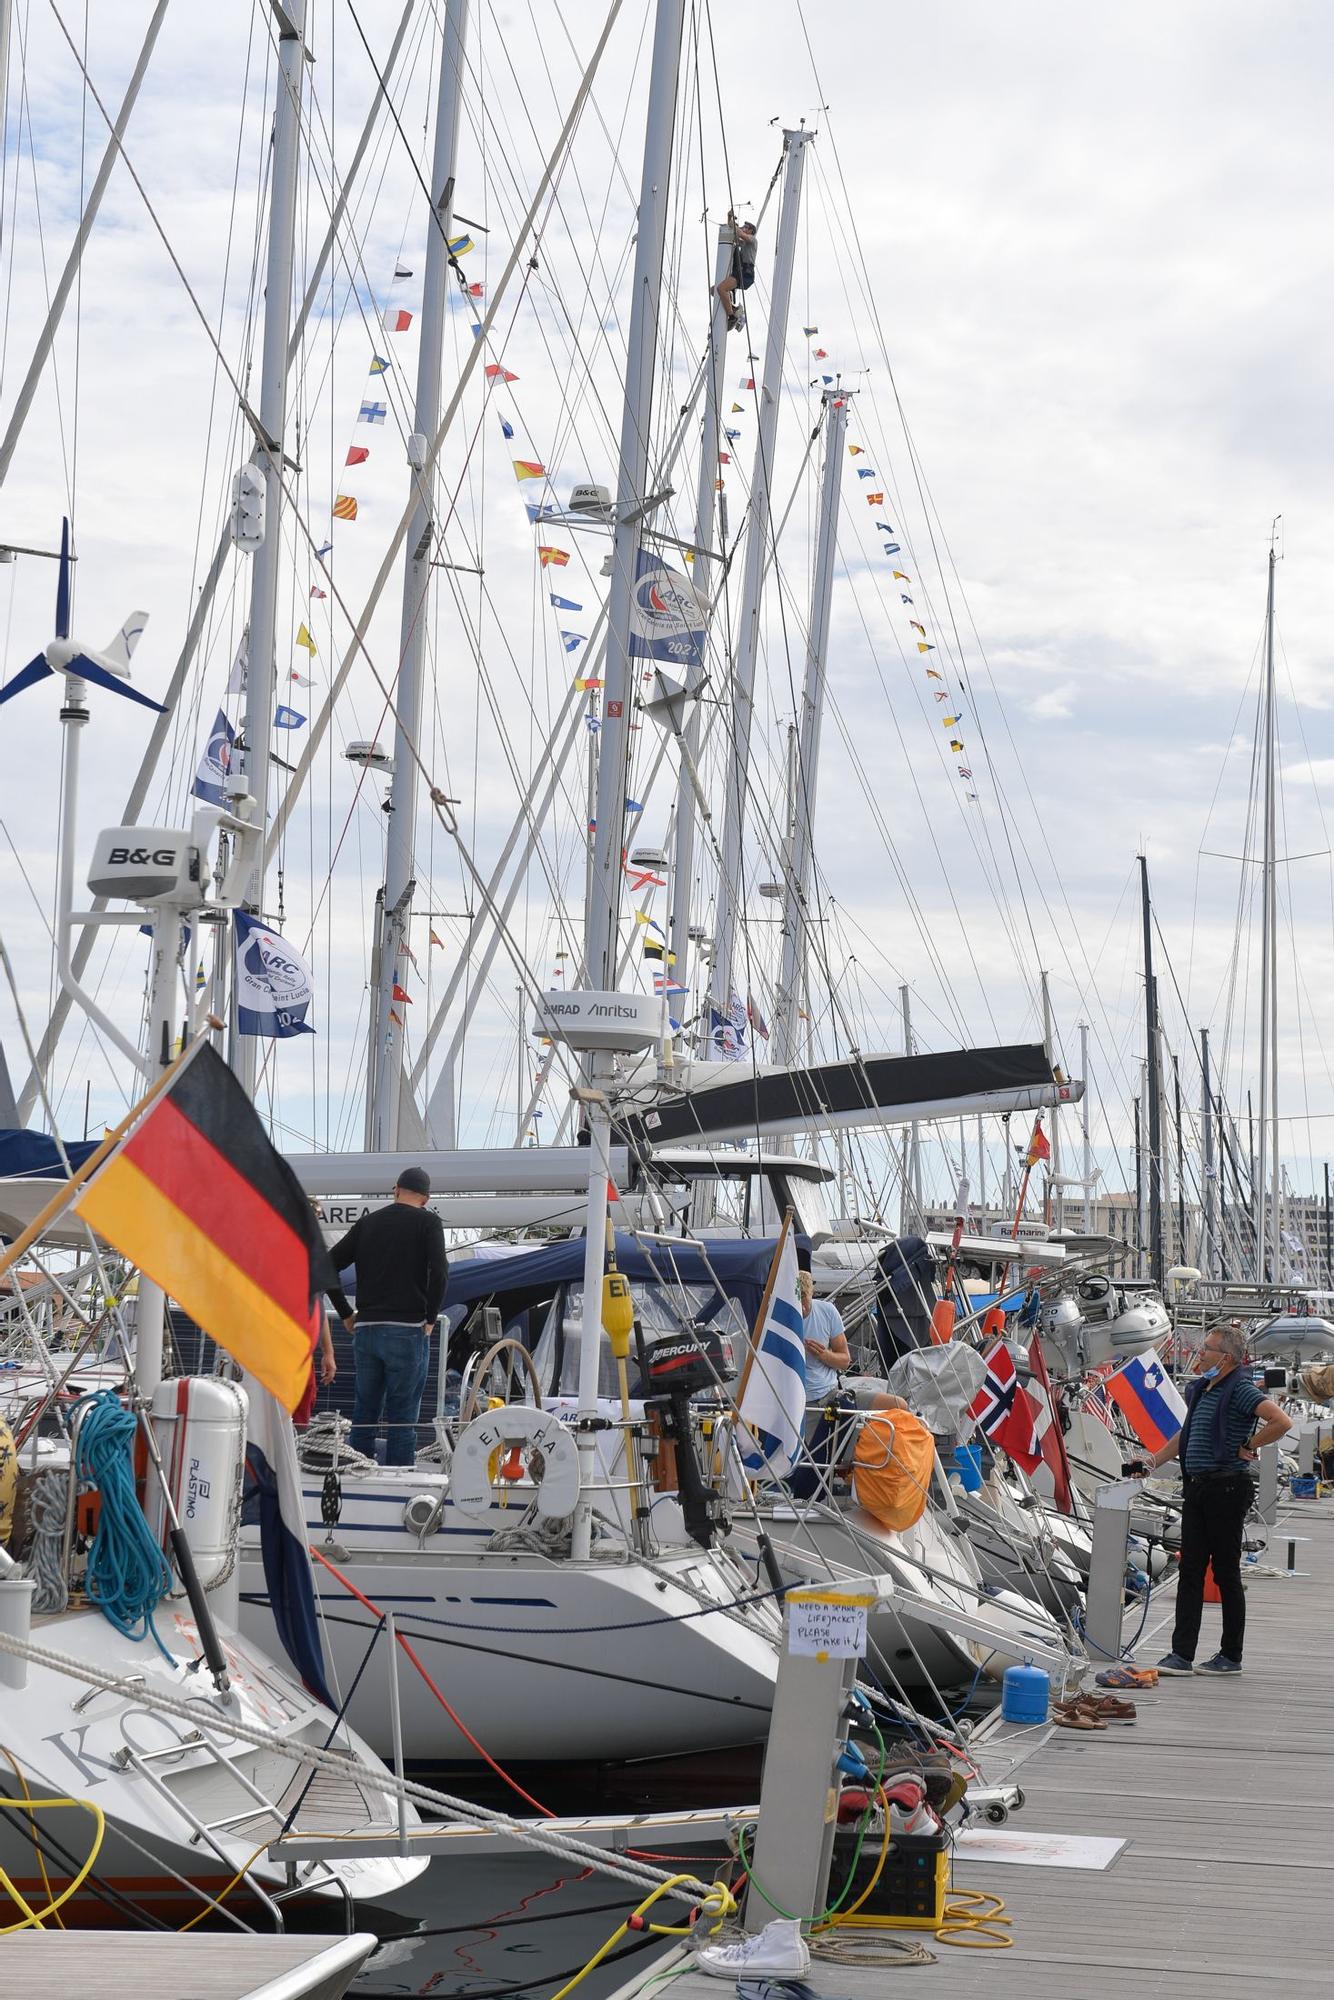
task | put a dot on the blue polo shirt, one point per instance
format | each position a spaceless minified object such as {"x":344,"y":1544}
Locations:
{"x":1200,"y":1454}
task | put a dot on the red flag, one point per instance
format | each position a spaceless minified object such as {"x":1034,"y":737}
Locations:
{"x":1039,"y":1147}
{"x":357,"y":454}
{"x":1004,"y":1412}
{"x":396,"y":320}
{"x":496,"y":373}
{"x":399,"y":994}
{"x":1048,"y":1437}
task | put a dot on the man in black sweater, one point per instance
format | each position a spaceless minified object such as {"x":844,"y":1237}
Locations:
{"x":399,"y":1255}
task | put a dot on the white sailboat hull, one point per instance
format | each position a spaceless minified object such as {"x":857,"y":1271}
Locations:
{"x":68,"y":1743}
{"x":540,"y":1659}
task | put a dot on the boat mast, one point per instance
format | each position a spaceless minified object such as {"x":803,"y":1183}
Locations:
{"x":632,"y":499}
{"x":721,"y":974}
{"x":65,"y":284}
{"x":1266,"y":1264}
{"x":602,"y":915}
{"x":385,"y":1082}
{"x":706,"y":507}
{"x":801,"y":855}
{"x":208,"y":590}
{"x":1152,"y":1085}
{"x":260,"y":664}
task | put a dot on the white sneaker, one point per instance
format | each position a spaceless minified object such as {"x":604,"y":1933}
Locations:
{"x":777,"y":1952}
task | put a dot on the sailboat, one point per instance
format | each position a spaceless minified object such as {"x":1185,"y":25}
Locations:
{"x":612,"y":1636}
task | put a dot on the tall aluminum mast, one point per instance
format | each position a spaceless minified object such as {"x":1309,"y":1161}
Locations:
{"x":386,"y":1082}
{"x":800,"y":860}
{"x":260,"y":671}
{"x":1266,"y":1212}
{"x":722,"y":971}
{"x":632,"y":497}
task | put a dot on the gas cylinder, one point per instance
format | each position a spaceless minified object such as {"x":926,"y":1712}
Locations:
{"x":1025,"y":1694}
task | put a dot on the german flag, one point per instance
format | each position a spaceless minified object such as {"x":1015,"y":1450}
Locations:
{"x":197,"y":1197}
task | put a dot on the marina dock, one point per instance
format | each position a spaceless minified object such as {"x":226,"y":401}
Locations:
{"x":1220,"y":1793}
{"x":106,"y":1965}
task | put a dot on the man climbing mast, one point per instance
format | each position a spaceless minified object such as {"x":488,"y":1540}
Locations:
{"x":741,"y":277}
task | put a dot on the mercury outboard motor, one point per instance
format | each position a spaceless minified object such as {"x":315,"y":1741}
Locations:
{"x":676,"y":1368}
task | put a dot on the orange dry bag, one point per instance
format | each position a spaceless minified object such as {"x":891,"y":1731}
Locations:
{"x":891,"y":1468}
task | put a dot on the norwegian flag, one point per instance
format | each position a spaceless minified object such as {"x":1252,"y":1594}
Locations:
{"x":1004,"y":1413}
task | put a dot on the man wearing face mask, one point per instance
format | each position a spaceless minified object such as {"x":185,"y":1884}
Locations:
{"x":1227,"y":1421}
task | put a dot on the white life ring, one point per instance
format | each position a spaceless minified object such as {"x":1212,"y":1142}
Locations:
{"x":533,"y":1432}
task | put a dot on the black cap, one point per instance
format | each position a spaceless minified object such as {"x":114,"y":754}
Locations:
{"x":414,"y":1180}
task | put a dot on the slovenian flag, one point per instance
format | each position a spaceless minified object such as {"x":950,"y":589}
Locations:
{"x":1149,"y":1400}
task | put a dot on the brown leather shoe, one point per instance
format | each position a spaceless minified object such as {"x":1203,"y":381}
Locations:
{"x":1110,"y":1707}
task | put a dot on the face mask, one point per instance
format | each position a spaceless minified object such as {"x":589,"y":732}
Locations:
{"x":1207,"y":1374}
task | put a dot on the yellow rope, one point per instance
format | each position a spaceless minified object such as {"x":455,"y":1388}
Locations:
{"x":41,"y":1858}
{"x":985,"y":1928}
{"x":35,"y":1919}
{"x":718,"y":1904}
{"x":222,"y":1894}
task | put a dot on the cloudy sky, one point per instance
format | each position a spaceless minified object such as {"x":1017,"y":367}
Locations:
{"x":1076,"y":266}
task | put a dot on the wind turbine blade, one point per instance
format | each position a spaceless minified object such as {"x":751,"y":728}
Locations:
{"x":26,"y":677}
{"x":84,"y":669}
{"x":62,"y":585}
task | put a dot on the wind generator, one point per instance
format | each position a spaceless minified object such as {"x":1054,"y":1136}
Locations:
{"x":107,"y":667}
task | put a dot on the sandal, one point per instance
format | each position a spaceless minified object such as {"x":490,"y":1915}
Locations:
{"x":1074,"y":1718}
{"x":1128,"y":1677}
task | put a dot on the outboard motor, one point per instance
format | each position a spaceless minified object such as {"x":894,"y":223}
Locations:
{"x":676,"y":1368}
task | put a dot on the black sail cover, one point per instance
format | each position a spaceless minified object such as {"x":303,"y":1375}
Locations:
{"x":860,"y":1088}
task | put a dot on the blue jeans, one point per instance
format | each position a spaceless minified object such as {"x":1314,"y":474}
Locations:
{"x":392,"y":1363}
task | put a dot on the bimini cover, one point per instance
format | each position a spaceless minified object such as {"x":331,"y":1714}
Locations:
{"x":31,"y":1156}
{"x":891,"y":1470}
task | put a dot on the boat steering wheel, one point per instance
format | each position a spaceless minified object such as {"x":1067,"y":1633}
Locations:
{"x":516,"y":1380}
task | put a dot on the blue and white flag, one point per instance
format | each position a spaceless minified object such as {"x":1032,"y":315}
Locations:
{"x":272,"y":1497}
{"x":565,"y":603}
{"x":666,"y":616}
{"x":572,"y":641}
{"x":288,"y":718}
{"x":215,"y":761}
{"x":372,"y":413}
{"x":773,"y":1396}
{"x":273,"y":983}
{"x":727,"y":1032}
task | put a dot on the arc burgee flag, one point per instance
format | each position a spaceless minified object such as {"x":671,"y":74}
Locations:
{"x":773,"y":1396}
{"x":197,"y":1197}
{"x":273,"y":983}
{"x":1152,"y":1404}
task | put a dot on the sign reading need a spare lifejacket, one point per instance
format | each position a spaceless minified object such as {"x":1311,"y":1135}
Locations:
{"x":827,"y":1624}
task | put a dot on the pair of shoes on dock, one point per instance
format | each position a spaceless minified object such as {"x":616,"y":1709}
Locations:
{"x":1128,"y":1677}
{"x":1092,"y":1711}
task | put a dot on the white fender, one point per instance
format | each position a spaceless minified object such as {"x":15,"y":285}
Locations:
{"x":534,"y":1431}
{"x":200,"y":1423}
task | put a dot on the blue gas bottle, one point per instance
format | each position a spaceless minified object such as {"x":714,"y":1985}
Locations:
{"x":1025,"y":1694}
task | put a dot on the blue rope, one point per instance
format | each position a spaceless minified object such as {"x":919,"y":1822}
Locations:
{"x":127,"y":1572}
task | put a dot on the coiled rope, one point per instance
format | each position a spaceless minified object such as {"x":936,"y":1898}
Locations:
{"x":50,"y":1507}
{"x":127,"y":1574}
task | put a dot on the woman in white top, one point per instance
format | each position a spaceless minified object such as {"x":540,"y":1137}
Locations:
{"x":827,"y":1352}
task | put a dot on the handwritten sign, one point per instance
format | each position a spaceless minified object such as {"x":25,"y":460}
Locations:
{"x":827,"y":1624}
